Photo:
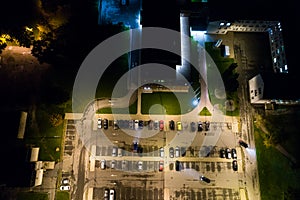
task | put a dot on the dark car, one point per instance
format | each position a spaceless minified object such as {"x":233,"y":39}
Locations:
{"x":177,"y":165}
{"x":172,"y":125}
{"x":234,"y":165}
{"x":193,"y":126}
{"x":150,"y":124}
{"x":135,"y":146}
{"x":183,"y":151}
{"x":206,"y":125}
{"x":141,"y":124}
{"x":243,"y":144}
{"x":222,"y":153}
{"x":200,"y":128}
{"x":233,"y":153}
{"x":205,"y":179}
{"x":105,"y":123}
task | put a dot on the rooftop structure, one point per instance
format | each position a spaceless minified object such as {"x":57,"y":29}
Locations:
{"x":272,"y":88}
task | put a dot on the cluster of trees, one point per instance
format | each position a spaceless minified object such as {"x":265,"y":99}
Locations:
{"x":60,"y":31}
{"x":273,"y":134}
{"x":230,"y":77}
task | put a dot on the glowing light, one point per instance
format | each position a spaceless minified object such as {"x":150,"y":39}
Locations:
{"x":28,"y":29}
{"x":195,"y":102}
{"x":251,"y":152}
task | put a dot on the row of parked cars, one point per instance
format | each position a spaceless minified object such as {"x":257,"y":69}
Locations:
{"x":154,"y":125}
{"x":230,"y":153}
{"x":109,"y":194}
{"x":124,"y":165}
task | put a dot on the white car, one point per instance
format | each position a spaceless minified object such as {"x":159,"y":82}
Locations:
{"x":140,"y":165}
{"x":65,"y":188}
{"x":113,"y":164}
{"x":102,"y":164}
{"x":161,"y":152}
{"x":111,"y":194}
{"x":120,"y":152}
{"x":114,"y":151}
{"x":99,"y":123}
{"x":177,"y":152}
{"x":136,"y":124}
{"x":65,"y":181}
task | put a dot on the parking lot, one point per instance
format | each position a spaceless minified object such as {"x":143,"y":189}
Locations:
{"x":132,"y":164}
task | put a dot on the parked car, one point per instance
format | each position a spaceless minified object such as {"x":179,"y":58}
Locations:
{"x":205,"y":179}
{"x":161,"y":152}
{"x":172,"y":125}
{"x":161,"y":165}
{"x":200,"y":128}
{"x":177,"y":152}
{"x":131,"y":124}
{"x":102,"y":164}
{"x":141,"y":124}
{"x":140,"y":165}
{"x":113,"y":164}
{"x":135,"y":146}
{"x":136,"y":124}
{"x":171,"y":152}
{"x":204,"y":151}
{"x":177,"y":165}
{"x":99,"y":123}
{"x":234,"y":165}
{"x":179,"y":126}
{"x":161,"y":125}
{"x":243,"y":144}
{"x":105,"y":123}
{"x":150,"y":124}
{"x":106,"y":194}
{"x":115,"y":125}
{"x":193,"y":126}
{"x":233,"y":153}
{"x":65,"y":181}
{"x":124,"y":164}
{"x":114,"y":151}
{"x":222,"y":153}
{"x":65,"y":187}
{"x":120,"y":152}
{"x":156,"y":125}
{"x":183,"y":151}
{"x":228,"y":153}
{"x":112,"y":194}
{"x":206,"y":125}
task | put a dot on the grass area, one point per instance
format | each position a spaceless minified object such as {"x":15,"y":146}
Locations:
{"x":205,"y":112}
{"x":278,"y":179}
{"x":222,"y":64}
{"x":166,"y":103}
{"x":44,"y":134}
{"x":111,"y":76}
{"x":132,"y":110}
{"x":32,"y":195}
{"x":62,"y":195}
